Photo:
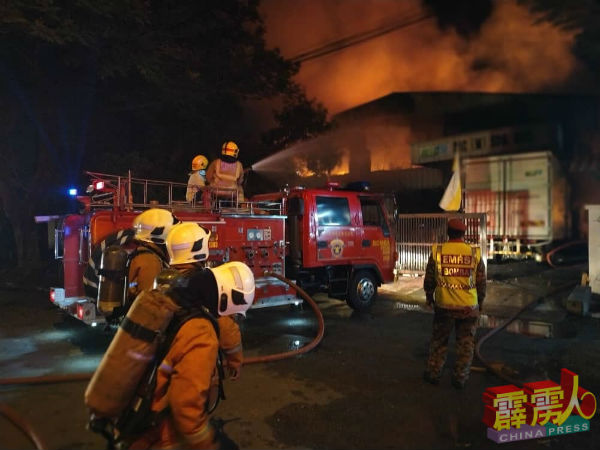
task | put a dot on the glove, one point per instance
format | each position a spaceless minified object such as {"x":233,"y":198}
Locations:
{"x":233,"y":372}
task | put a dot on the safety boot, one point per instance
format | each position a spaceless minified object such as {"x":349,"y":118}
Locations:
{"x":458,"y":384}
{"x":431,"y":379}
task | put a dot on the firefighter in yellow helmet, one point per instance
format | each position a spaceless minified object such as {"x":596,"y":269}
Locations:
{"x":185,"y":376}
{"x":150,"y":257}
{"x":197,"y":178}
{"x":227,"y":172}
{"x":455,"y":284}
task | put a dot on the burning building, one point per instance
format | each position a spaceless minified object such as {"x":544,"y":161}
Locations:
{"x":380,"y":142}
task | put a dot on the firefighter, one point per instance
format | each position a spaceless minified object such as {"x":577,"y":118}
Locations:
{"x":185,"y":375}
{"x":150,"y":257}
{"x":197,"y":177}
{"x":455,"y":284}
{"x":230,"y":340}
{"x":227,"y":172}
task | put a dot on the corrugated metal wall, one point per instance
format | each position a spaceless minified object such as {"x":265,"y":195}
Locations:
{"x":416,"y":233}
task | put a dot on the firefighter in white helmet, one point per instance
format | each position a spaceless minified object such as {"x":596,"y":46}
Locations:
{"x":197,"y":178}
{"x":187,"y":372}
{"x":150,"y":257}
{"x":227,"y":172}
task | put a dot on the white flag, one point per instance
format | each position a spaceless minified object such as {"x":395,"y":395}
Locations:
{"x":453,"y":195}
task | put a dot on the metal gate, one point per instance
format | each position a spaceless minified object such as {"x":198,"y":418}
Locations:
{"x":416,"y":233}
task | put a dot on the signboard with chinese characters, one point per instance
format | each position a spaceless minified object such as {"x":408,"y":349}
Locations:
{"x":538,"y":409}
{"x":489,"y":142}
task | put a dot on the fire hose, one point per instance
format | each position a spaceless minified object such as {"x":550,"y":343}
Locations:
{"x":496,"y":330}
{"x":551,"y":253}
{"x":27,"y":429}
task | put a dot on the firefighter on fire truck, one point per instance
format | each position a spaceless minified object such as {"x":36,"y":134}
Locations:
{"x":185,"y":375}
{"x":197,"y":177}
{"x":226,"y":171}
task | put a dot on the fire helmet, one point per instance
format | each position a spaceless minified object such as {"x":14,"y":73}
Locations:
{"x":231,"y":149}
{"x":235,"y":287}
{"x":199,"y":162}
{"x":153,"y":225}
{"x":187,"y":243}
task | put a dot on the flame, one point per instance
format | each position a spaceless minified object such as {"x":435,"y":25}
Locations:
{"x":513,"y":52}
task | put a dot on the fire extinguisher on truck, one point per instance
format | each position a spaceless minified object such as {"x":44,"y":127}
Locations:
{"x":332,"y":240}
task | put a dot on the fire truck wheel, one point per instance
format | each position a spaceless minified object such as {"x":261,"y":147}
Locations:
{"x":362,"y":291}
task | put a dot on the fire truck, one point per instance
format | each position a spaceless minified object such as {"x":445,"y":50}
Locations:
{"x":332,"y":240}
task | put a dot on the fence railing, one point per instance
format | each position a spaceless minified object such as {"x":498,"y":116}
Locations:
{"x":416,"y":233}
{"x":127,"y":192}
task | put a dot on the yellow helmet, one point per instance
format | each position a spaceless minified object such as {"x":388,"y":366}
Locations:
{"x":230,"y":148}
{"x":187,"y":243}
{"x":153,"y":225}
{"x":199,"y":162}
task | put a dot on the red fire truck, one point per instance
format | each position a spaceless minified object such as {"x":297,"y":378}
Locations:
{"x":330,"y":240}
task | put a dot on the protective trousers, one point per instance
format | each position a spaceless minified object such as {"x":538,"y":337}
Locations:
{"x":465,"y":327}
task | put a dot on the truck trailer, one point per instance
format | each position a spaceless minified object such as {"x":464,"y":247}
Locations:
{"x":525,"y":198}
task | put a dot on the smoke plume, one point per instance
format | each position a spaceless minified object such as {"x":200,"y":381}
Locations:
{"x":512,"y":51}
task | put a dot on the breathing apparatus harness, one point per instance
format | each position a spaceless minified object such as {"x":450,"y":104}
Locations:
{"x":138,"y":416}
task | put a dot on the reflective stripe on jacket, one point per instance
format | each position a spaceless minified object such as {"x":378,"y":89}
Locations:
{"x":230,"y":341}
{"x":455,"y":274}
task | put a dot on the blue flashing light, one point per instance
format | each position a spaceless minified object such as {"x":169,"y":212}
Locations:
{"x":72,"y":192}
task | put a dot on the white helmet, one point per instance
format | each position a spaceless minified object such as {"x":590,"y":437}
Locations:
{"x":235,"y":286}
{"x":187,"y":243}
{"x":153,"y":225}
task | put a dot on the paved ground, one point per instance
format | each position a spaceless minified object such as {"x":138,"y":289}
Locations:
{"x":361,"y":388}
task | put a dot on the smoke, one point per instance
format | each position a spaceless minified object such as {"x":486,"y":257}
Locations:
{"x":511,"y":51}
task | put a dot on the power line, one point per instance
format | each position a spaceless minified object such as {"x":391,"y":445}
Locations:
{"x":358,"y":38}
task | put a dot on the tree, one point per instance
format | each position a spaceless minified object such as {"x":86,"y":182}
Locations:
{"x":114,"y":83}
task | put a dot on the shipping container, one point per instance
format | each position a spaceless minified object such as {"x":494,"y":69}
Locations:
{"x":525,"y":199}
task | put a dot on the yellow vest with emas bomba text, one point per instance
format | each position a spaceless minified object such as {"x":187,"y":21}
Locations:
{"x":455,"y":274}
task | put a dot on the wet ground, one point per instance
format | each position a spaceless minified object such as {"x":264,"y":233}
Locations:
{"x":360,"y":388}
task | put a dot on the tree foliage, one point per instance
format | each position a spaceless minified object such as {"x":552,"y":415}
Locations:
{"x":107,"y":84}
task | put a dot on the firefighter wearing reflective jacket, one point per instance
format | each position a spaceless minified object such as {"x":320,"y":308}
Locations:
{"x":151,"y":229}
{"x":197,"y":177}
{"x":227,"y":172}
{"x":455,"y":284}
{"x":131,"y":263}
{"x":184,"y":377}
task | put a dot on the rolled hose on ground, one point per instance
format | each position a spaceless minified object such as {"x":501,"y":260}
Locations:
{"x":494,"y":331}
{"x":26,"y":428}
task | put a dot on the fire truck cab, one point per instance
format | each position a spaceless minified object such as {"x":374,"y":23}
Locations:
{"x":339,"y":241}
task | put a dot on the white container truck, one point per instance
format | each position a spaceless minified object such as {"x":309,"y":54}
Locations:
{"x":525,"y":198}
